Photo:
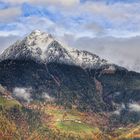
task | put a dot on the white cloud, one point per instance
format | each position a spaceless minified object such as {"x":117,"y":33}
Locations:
{"x":9,"y":33}
{"x":95,"y":28}
{"x":47,"y":97}
{"x":121,"y":51}
{"x":134,"y":107}
{"x":97,"y":15}
{"x":23,"y":93}
{"x":15,"y":1}
{"x":63,"y":2}
{"x":9,"y":14}
{"x":6,"y":41}
{"x":118,"y":111}
{"x":35,"y":22}
{"x":42,"y":2}
{"x":28,"y":24}
{"x":116,"y":11}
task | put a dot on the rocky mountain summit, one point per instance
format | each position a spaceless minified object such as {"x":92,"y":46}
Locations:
{"x":43,"y":69}
{"x":42,"y":47}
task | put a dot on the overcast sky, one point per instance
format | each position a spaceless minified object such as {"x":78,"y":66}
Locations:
{"x":109,"y":28}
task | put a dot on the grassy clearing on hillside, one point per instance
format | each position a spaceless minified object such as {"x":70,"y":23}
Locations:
{"x":75,"y":127}
{"x":58,"y":113}
{"x":69,"y":124}
{"x":8,"y":103}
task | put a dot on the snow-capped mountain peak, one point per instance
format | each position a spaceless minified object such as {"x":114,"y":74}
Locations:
{"x":33,"y":46}
{"x":38,"y":39}
{"x":42,"y":47}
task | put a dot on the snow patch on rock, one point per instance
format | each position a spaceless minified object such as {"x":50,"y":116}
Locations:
{"x":42,"y":47}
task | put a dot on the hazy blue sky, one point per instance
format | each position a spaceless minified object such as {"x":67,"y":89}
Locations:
{"x":109,"y":28}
